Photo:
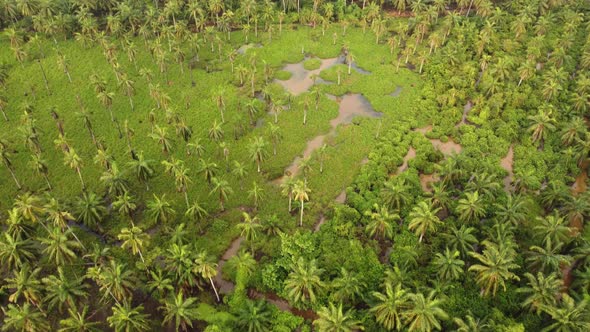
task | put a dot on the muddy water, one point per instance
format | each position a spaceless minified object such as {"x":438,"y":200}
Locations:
{"x":426,"y":180}
{"x":225,"y":287}
{"x":410,"y":155}
{"x":580,"y":185}
{"x":351,"y":106}
{"x":506,"y":164}
{"x":283,"y":304}
{"x":448,"y":147}
{"x":302,"y":79}
{"x":424,"y":130}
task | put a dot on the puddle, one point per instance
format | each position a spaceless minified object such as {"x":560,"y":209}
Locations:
{"x":426,"y":180}
{"x":424,"y":130}
{"x":410,"y":155}
{"x":448,"y":147}
{"x":224,"y":286}
{"x":506,"y":164}
{"x":302,"y":79}
{"x":397,"y":92}
{"x":580,"y":185}
{"x":246,"y":47}
{"x":341,"y":198}
{"x":351,"y":106}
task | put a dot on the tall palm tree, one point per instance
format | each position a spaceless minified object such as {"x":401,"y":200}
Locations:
{"x":552,"y":229}
{"x":62,"y":289}
{"x":448,"y":265}
{"x":73,"y":160}
{"x":223,"y":189}
{"x":114,"y":180}
{"x":333,"y":319}
{"x":114,"y":279}
{"x":24,"y":318}
{"x":287,"y":187}
{"x":541,"y":125}
{"x":301,"y":194}
{"x":160,"y":135}
{"x":142,"y":168}
{"x":6,"y":161}
{"x":347,"y":287}
{"x":133,"y":238}
{"x":128,"y":319}
{"x":40,"y":167}
{"x":249,"y":229}
{"x":26,"y":285}
{"x":569,"y":315}
{"x":541,"y":291}
{"x":470,"y":208}
{"x":160,"y":210}
{"x":254,"y":316}
{"x":381,"y":222}
{"x":59,"y":249}
{"x":78,"y":322}
{"x":15,"y":252}
{"x":89,"y":210}
{"x":304,"y":282}
{"x":257,"y":194}
{"x":497,"y":261}
{"x":390,"y":306}
{"x":424,"y":313}
{"x":106,"y":99}
{"x":258,"y":151}
{"x":240,"y":172}
{"x":180,"y":310}
{"x":423,"y":218}
{"x":207,"y":269}
{"x":274,"y":131}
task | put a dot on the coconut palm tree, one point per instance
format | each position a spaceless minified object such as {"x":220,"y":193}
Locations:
{"x":133,"y":238}
{"x":180,"y":310}
{"x":24,"y":318}
{"x":106,"y":99}
{"x":276,"y":136}
{"x":142,"y":168}
{"x":240,"y":172}
{"x":470,"y":208}
{"x":209,"y":169}
{"x":254,"y":316}
{"x":73,"y":160}
{"x":301,"y":194}
{"x":128,"y":319}
{"x":40,"y":167}
{"x":303,"y":282}
{"x":25,"y":284}
{"x":257,"y":194}
{"x":287,"y":187}
{"x":223,"y":189}
{"x":497,"y":261}
{"x":542,"y":291}
{"x":390,"y":306}
{"x":88,"y":209}
{"x":541,"y":124}
{"x":347,"y":287}
{"x":207,"y":269}
{"x":160,"y":135}
{"x":16,"y":252}
{"x":423,"y":218}
{"x":258,"y":153}
{"x":59,"y":249}
{"x":249,"y":229}
{"x":396,"y":193}
{"x":448,"y":265}
{"x":78,"y":322}
{"x":160,"y":210}
{"x":548,"y":258}
{"x":114,"y":280}
{"x":568,"y":315}
{"x":381,"y":222}
{"x":552,"y":229}
{"x":424,"y":313}
{"x":216,"y":132}
{"x":333,"y":319}
{"x":61,"y":289}
{"x":114,"y":181}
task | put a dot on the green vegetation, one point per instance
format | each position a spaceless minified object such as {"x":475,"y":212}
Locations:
{"x":161,"y":169}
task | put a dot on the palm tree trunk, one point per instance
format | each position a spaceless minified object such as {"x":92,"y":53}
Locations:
{"x":301,"y":216}
{"x":81,"y":179}
{"x":214,"y":289}
{"x":186,"y":198}
{"x":290,"y":200}
{"x":44,"y":77}
{"x":4,"y":114}
{"x":14,"y":177}
{"x":469,"y":9}
{"x":47,"y":180}
{"x":131,"y":103}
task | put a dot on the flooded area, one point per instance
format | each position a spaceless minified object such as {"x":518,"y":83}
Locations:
{"x":506,"y":164}
{"x":426,"y":180}
{"x":350,"y":106}
{"x":246,"y":47}
{"x":580,"y":185}
{"x":302,"y":80}
{"x":225,"y":287}
{"x":447,"y":148}
{"x":410,"y":155}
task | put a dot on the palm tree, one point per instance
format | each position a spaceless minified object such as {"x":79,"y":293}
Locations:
{"x":274,"y":132}
{"x":216,"y":132}
{"x":24,"y":318}
{"x":332,"y":319}
{"x":390,"y":306}
{"x":249,"y":229}
{"x":15,"y":252}
{"x":423,"y":218}
{"x":396,"y":193}
{"x":448,"y":265}
{"x":113,"y":279}
{"x":568,"y":315}
{"x":347,"y":286}
{"x":301,"y":194}
{"x":73,"y":160}
{"x":142,"y":168}
{"x":239,"y":171}
{"x":25,"y":285}
{"x":542,"y":291}
{"x":304,"y":282}
{"x":552,"y":229}
{"x":78,"y":322}
{"x":29,"y":206}
{"x":222,"y":188}
{"x":207,"y":269}
{"x":125,"y":204}
{"x":497,"y":261}
{"x":257,"y":194}
{"x":159,"y":209}
{"x":160,"y":135}
{"x":424,"y":313}
{"x":381,"y":222}
{"x":470,"y":208}
{"x":287,"y":187}
{"x":106,"y":99}
{"x":128,"y":319}
{"x":88,"y":209}
{"x":40,"y":167}
{"x":59,"y":248}
{"x":133,"y":238}
{"x":548,"y":257}
{"x":254,"y":316}
{"x":114,"y":180}
{"x":541,"y":124}
{"x":5,"y":159}
{"x":258,"y":151}
{"x":180,"y":310}
{"x":61,"y":289}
